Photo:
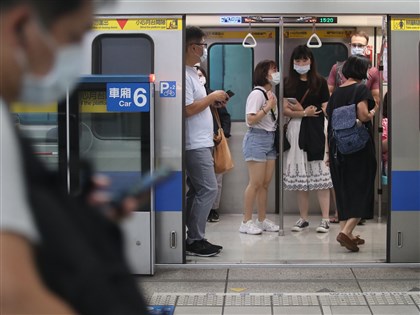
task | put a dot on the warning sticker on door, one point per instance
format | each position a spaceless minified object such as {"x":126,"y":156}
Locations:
{"x":410,"y":24}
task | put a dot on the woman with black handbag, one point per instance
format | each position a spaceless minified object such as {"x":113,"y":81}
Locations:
{"x":305,"y":168}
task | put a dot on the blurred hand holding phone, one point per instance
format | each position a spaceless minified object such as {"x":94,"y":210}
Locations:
{"x":95,"y":190}
{"x":140,"y":190}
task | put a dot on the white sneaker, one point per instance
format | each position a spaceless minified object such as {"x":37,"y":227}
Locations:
{"x":324,"y":226}
{"x":267,"y":225}
{"x":249,"y":228}
{"x":300,"y":225}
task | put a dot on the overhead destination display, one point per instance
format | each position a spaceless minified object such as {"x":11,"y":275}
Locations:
{"x":138,"y":24}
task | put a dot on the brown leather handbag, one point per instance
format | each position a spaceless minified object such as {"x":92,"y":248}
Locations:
{"x":223,"y":161}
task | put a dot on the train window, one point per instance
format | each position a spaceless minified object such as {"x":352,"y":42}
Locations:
{"x":231,"y":68}
{"x":122,"y":54}
{"x":327,"y":55}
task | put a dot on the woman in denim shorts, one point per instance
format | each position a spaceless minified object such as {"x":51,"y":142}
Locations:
{"x":258,"y":147}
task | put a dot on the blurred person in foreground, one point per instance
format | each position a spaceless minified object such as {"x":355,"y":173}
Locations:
{"x":60,"y":255}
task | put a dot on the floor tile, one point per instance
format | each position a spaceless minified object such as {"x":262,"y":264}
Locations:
{"x":387,"y":273}
{"x":296,"y":310}
{"x":247,"y":310}
{"x":176,"y":274}
{"x":347,"y":310}
{"x":258,"y":286}
{"x":395,"y":310}
{"x":148,"y":288}
{"x":388,"y":285}
{"x":290,"y":273}
{"x":207,"y":310}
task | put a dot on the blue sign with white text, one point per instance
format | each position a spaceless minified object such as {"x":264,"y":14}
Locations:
{"x":167,"y":88}
{"x":128,"y":97}
{"x":230,"y":19}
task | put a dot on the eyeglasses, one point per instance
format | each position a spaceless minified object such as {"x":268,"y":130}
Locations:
{"x":201,"y":44}
{"x":357,"y":45}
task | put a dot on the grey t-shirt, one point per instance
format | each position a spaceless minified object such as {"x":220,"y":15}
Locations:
{"x":15,"y":214}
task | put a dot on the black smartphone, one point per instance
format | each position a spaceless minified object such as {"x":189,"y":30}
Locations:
{"x":230,"y":93}
{"x":143,"y":185}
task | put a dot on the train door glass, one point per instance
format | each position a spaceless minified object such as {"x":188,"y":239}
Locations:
{"x":231,"y":68}
{"x":122,"y":54}
{"x":119,"y":143}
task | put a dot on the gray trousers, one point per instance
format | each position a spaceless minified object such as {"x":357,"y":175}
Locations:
{"x":219,"y":179}
{"x":202,"y":191}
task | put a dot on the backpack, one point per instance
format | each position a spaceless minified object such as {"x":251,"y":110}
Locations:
{"x":348,"y":135}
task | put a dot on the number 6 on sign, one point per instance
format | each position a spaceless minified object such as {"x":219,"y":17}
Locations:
{"x":139,"y":97}
{"x":128,"y":97}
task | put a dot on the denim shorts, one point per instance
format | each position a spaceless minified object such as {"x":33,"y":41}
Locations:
{"x":258,"y":145}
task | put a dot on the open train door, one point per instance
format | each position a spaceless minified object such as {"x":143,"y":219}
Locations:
{"x":404,"y":131}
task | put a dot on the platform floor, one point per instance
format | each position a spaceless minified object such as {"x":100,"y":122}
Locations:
{"x":285,"y":290}
{"x":298,"y":273}
{"x":307,"y":246}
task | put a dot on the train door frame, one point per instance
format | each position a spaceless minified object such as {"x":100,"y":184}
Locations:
{"x":347,"y":29}
{"x":404,"y":123}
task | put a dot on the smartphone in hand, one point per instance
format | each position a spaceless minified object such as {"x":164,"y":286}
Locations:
{"x":230,"y":93}
{"x":143,"y":185}
{"x":292,"y":100}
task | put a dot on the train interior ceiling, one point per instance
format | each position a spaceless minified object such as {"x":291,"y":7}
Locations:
{"x":225,"y":48}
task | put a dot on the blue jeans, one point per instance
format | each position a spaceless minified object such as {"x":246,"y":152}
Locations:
{"x":202,"y":191}
{"x":258,"y":145}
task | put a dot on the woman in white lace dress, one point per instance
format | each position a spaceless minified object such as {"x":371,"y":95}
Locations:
{"x":305,"y":163}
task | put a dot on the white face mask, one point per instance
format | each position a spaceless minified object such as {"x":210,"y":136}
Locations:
{"x":204,"y":55}
{"x":275,"y":78}
{"x":53,"y":86}
{"x":302,"y":69}
{"x":357,"y":50}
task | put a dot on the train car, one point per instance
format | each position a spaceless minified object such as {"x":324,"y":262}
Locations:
{"x":140,"y":45}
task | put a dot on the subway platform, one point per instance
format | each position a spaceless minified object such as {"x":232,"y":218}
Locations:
{"x":271,"y":290}
{"x":298,"y":273}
